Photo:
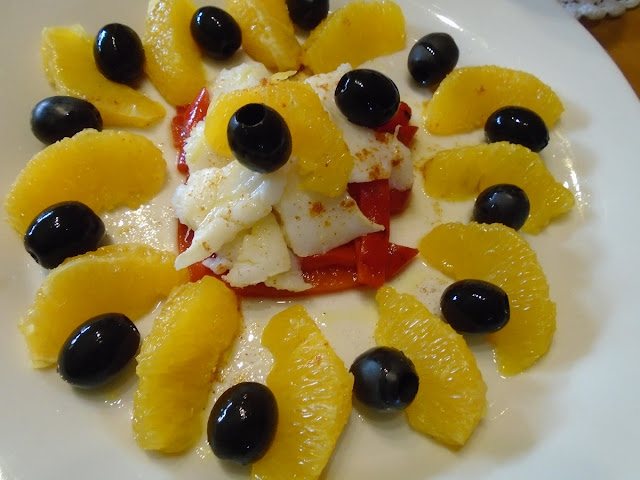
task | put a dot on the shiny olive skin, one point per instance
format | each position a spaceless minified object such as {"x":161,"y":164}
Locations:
{"x":58,"y":117}
{"x":259,"y":138}
{"x":384,"y":379}
{"x":118,"y":53}
{"x":367,"y":97}
{"x":61,"y":231}
{"x":475,"y":306}
{"x":216,"y":32}
{"x":97,"y":351}
{"x":308,"y":14}
{"x":243,"y":422}
{"x":517,"y":125}
{"x":432,"y":58}
{"x":503,"y":203}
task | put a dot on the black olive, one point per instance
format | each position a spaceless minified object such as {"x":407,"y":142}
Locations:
{"x":308,"y":14}
{"x":475,"y":306}
{"x":259,"y":138}
{"x":58,"y":117}
{"x":367,"y":97}
{"x":217,"y":32}
{"x":61,"y":231}
{"x":432,"y":58}
{"x":384,"y":379}
{"x":97,"y":351}
{"x":504,"y":203}
{"x":517,"y":125}
{"x":118,"y":53}
{"x":243,"y":422}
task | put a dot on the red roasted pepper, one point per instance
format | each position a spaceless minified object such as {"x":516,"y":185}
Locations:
{"x":186,"y":118}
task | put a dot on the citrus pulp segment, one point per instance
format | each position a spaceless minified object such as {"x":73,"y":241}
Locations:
{"x":129,"y":279}
{"x":467,"y":96}
{"x":451,"y":395}
{"x":103,"y":170}
{"x":268,"y":35}
{"x":313,"y":389}
{"x":173,"y":59}
{"x":499,"y":255}
{"x":322,"y":157}
{"x":353,"y":34}
{"x":178,"y":362}
{"x":464,"y":172}
{"x":67,"y":54}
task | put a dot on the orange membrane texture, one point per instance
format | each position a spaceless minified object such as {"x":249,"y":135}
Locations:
{"x":451,"y":398}
{"x":353,"y":34}
{"x":127,"y":278}
{"x":497,"y":254}
{"x":469,"y":95}
{"x":313,"y":389}
{"x":268,"y":35}
{"x":173,"y":60}
{"x":462,"y":173}
{"x":67,"y":54}
{"x":178,"y":362}
{"x":322,"y":157}
{"x":103,"y":170}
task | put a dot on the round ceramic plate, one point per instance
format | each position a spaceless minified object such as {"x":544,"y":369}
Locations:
{"x":575,"y":414}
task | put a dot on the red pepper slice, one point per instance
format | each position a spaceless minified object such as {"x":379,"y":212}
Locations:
{"x":186,"y":118}
{"x":402,"y":117}
{"x":398,"y":200}
{"x":406,"y":134}
{"x":344,"y":255}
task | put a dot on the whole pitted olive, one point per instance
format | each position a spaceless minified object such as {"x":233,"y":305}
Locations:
{"x":475,"y":306}
{"x":307,"y":14}
{"x":217,"y":32}
{"x":97,"y":351}
{"x":367,"y":97}
{"x":58,"y":117}
{"x":118,"y":53}
{"x":61,"y":231}
{"x":259,"y":138}
{"x":517,"y":125}
{"x":243,"y":422}
{"x":432,"y":58}
{"x":384,"y":379}
{"x":503,"y":203}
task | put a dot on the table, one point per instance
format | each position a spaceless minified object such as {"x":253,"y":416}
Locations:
{"x":620,"y":36}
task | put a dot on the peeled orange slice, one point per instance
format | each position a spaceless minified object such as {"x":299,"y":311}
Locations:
{"x":467,"y":96}
{"x":451,"y":396}
{"x":104,"y":170}
{"x":355,"y":33}
{"x":173,"y":60}
{"x":499,"y":255}
{"x":129,"y":279}
{"x":268,"y":35}
{"x":464,"y":172}
{"x":313,"y":390}
{"x":67,"y":53}
{"x":323,"y":159}
{"x":178,"y":361}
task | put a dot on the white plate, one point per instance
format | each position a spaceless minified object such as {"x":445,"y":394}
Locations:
{"x":574,"y":415}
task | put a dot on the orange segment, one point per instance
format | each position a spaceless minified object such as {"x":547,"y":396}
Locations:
{"x":267,"y":32}
{"x":173,"y":60}
{"x":467,"y":96}
{"x":178,"y":361}
{"x":323,"y":159}
{"x":67,"y":53}
{"x":101,"y":169}
{"x":313,"y":389}
{"x":355,"y":33}
{"x":497,"y":254}
{"x":129,"y":279}
{"x":451,"y":397}
{"x":464,"y":172}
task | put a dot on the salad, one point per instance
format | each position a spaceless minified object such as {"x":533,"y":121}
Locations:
{"x":253,"y":331}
